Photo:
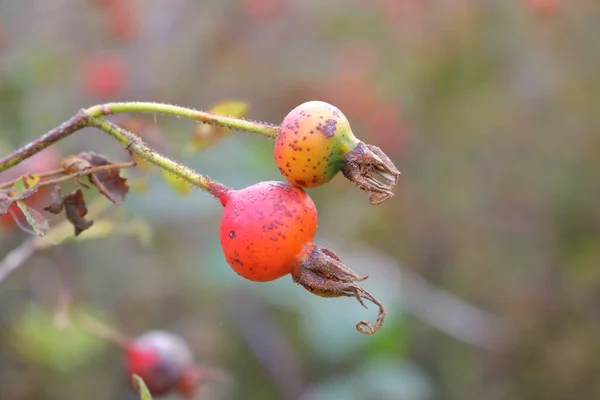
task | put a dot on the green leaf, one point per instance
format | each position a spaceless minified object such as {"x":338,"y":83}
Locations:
{"x":140,"y":386}
{"x":26,"y":186}
{"x":34,"y":218}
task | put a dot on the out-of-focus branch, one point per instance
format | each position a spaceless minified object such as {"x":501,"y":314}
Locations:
{"x":57,"y":234}
{"x":17,"y":257}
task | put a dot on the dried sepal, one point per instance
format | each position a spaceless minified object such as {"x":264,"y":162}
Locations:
{"x":323,"y":273}
{"x":364,"y":165}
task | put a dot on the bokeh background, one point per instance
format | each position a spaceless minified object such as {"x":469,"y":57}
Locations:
{"x":488,"y":257}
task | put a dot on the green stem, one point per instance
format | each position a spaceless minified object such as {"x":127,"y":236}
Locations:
{"x":135,"y":145}
{"x":82,"y":120}
{"x":258,"y":128}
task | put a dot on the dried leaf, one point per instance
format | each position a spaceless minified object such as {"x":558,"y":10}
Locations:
{"x":34,"y":218}
{"x":26,"y":186}
{"x":181,"y":187}
{"x":205,"y":135}
{"x":76,"y":210}
{"x":109,"y":183}
{"x":57,"y":201}
{"x":74,"y":206}
{"x":5,"y":203}
{"x":74,"y":163}
{"x":140,"y":386}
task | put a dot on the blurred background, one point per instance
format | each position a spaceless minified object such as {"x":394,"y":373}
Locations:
{"x":487,"y":258}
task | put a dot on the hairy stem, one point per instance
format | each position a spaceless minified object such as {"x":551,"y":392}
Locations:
{"x":258,"y":128}
{"x":72,"y":125}
{"x":135,"y":145}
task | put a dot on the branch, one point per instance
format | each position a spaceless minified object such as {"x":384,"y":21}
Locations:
{"x":72,"y":125}
{"x":82,"y":120}
{"x":92,"y":117}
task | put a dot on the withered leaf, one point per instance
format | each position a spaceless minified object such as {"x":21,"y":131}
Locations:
{"x":74,"y":163}
{"x":34,"y":218}
{"x":57,"y":201}
{"x":5,"y":203}
{"x":74,"y":206}
{"x":109,"y":183}
{"x":76,"y":210}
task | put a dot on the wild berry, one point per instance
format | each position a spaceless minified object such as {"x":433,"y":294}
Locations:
{"x":266,"y":233}
{"x":265,"y":228}
{"x":160,"y":359}
{"x":315,"y":142}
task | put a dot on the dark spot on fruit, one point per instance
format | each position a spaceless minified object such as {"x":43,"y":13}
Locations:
{"x":300,"y":182}
{"x":238,"y":261}
{"x":329,"y":128}
{"x":232,"y":234}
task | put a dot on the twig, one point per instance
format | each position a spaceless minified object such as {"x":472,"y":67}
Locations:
{"x":101,"y":331}
{"x":17,"y":257}
{"x":42,"y":175}
{"x":78,"y":174}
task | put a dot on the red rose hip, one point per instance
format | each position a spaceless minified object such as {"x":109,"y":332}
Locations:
{"x":265,"y":229}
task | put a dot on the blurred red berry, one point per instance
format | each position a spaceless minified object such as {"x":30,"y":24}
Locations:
{"x":262,"y":9}
{"x":543,"y":8}
{"x":122,"y":20}
{"x":104,"y":76}
{"x":161,"y":359}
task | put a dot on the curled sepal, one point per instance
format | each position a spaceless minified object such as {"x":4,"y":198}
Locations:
{"x":362,"y":165}
{"x":323,"y":273}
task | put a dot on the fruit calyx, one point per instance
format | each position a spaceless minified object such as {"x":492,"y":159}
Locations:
{"x":324,"y":274}
{"x":363,"y":164}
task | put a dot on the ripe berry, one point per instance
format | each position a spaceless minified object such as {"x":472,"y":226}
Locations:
{"x":266,"y":232}
{"x":160,"y":359}
{"x":315,"y":142}
{"x":264,"y":229}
